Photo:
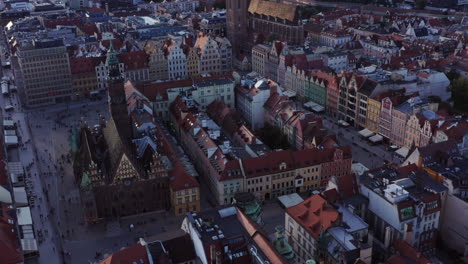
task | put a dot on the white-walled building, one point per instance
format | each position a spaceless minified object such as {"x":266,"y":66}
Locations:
{"x":403,"y":206}
{"x":306,"y":223}
{"x":176,"y":59}
{"x":250,"y":102}
{"x":334,"y":38}
{"x":337,"y":60}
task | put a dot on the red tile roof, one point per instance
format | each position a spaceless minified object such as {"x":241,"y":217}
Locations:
{"x":152,"y":90}
{"x":405,"y":170}
{"x":116,"y":43}
{"x":406,"y":251}
{"x":85,"y":64}
{"x":268,"y":164}
{"x":180,"y":179}
{"x":134,"y":60}
{"x":232,"y":170}
{"x":260,"y":238}
{"x":9,"y":248}
{"x":348,"y":186}
{"x":314,"y":214}
{"x":279,"y":47}
{"x":454,"y":131}
{"x":133,"y":254}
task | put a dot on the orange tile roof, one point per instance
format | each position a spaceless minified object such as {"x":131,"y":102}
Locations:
{"x":260,"y":238}
{"x":136,"y":253}
{"x":314,"y":214}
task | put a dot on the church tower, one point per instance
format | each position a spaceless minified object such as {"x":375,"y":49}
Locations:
{"x":237,"y":24}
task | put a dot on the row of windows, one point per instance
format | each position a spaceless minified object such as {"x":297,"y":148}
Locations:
{"x":187,"y":199}
{"x":186,"y":191}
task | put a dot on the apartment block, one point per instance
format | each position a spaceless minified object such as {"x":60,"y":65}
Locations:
{"x":42,"y":71}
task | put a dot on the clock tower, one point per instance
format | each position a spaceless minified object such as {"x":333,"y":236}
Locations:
{"x":117,"y":98}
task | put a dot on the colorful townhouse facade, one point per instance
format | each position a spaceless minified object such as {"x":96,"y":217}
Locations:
{"x":404,"y":136}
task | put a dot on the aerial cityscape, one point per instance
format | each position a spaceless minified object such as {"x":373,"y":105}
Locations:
{"x":234,"y":132}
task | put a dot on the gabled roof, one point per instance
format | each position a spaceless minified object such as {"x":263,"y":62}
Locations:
{"x":431,"y":152}
{"x":314,"y":214}
{"x":117,"y":146}
{"x":85,"y":64}
{"x":455,"y":131}
{"x":260,"y":238}
{"x":133,"y":254}
{"x":181,"y":180}
{"x":407,"y":254}
{"x":232,"y":170}
{"x":134,"y":60}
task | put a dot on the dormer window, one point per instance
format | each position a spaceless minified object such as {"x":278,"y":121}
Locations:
{"x":282,"y":166}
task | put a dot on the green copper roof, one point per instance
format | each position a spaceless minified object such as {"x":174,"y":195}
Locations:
{"x":253,"y":210}
{"x":85,"y":181}
{"x":74,"y":140}
{"x":112,"y":58}
{"x":281,"y":245}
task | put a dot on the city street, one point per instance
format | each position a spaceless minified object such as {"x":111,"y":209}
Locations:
{"x":43,"y":212}
{"x":363,"y":152}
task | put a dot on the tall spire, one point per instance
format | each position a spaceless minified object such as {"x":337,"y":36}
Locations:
{"x":112,"y":62}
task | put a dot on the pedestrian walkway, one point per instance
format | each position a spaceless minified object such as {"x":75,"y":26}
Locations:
{"x":113,"y":229}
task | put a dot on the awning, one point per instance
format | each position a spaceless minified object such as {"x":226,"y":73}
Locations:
{"x":402,"y":152}
{"x":24,"y":216}
{"x":8,"y":123}
{"x":366,"y":133}
{"x":290,"y":200}
{"x":314,"y":107}
{"x":29,"y":244}
{"x":376,"y":138}
{"x":318,"y":108}
{"x":11,"y":140}
{"x":289,"y":93}
{"x":20,"y":195}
